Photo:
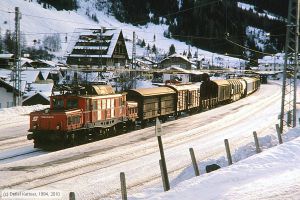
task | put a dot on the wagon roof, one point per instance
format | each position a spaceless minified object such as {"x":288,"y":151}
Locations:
{"x":249,"y":80}
{"x":235,"y":81}
{"x":221,"y":82}
{"x":154,"y":91}
{"x":184,"y":87}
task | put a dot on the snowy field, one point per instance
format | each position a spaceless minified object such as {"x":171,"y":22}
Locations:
{"x":92,"y":170}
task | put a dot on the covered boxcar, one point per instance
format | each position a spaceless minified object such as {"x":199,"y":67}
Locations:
{"x":208,"y":94}
{"x":252,"y":84}
{"x":153,"y":102}
{"x":188,"y":97}
{"x":236,"y":89}
{"x":224,"y":91}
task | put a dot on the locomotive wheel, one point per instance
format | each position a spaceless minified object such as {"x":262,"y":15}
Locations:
{"x":82,"y":137}
{"x":71,"y":140}
{"x":144,"y":124}
{"x":96,"y":135}
{"x":111,"y":131}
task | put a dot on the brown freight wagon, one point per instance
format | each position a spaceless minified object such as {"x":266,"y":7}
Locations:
{"x":187,"y":99}
{"x":153,"y":102}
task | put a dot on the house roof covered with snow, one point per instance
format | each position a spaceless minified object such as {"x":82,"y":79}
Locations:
{"x":177,"y":56}
{"x":98,"y":44}
{"x":6,"y":56}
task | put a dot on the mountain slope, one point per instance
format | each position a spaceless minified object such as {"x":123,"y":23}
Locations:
{"x":199,"y":24}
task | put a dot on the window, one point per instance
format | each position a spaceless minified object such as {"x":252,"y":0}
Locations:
{"x":69,"y":120}
{"x":58,"y":103}
{"x":73,"y":120}
{"x":103,"y":103}
{"x":87,"y":104}
{"x":72,"y":103}
{"x":108,"y":103}
{"x":94,"y":105}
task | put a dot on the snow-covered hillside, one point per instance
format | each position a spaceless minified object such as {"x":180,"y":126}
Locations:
{"x":38,"y":22}
{"x":262,"y":13}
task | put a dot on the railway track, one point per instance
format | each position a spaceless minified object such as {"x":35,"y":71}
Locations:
{"x":6,"y":144}
{"x":129,"y":154}
{"x":16,"y":154}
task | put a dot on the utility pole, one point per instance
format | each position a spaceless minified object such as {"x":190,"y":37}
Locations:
{"x":99,"y":38}
{"x":133,"y":59}
{"x":289,"y":87}
{"x":17,"y":69}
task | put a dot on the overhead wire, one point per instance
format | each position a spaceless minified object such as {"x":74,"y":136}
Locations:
{"x":244,"y":47}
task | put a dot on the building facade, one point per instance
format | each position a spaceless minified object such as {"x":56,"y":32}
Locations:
{"x":99,"y":48}
{"x":176,"y":60}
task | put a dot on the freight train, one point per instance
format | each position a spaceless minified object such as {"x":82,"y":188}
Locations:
{"x":87,"y":113}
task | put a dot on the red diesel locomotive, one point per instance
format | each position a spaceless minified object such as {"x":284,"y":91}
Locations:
{"x":78,"y":116}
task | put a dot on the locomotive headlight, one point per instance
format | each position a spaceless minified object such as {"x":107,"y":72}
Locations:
{"x":34,"y":126}
{"x":57,"y":127}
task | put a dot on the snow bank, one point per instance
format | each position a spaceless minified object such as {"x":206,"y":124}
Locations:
{"x":20,"y":110}
{"x":252,"y":177}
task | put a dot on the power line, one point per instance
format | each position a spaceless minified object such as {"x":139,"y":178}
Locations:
{"x":244,"y":47}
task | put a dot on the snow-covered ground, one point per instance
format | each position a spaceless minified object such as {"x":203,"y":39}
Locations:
{"x":14,"y":121}
{"x":37,"y":22}
{"x":273,"y":174}
{"x":92,"y":170}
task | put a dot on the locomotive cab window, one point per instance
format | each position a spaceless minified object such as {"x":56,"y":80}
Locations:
{"x":72,"y":103}
{"x":58,"y":103}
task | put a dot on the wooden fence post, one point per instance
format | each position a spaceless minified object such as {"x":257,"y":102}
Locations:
{"x":158,"y":133}
{"x":229,"y":158}
{"x":71,"y":196}
{"x":163,"y":177}
{"x":278,"y":134}
{"x":194,"y":162}
{"x":123,"y":186}
{"x":258,"y":150}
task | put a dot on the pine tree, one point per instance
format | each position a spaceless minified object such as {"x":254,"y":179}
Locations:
{"x":9,"y":42}
{"x":143,"y":44}
{"x":154,"y":50}
{"x":196,"y":54}
{"x":52,"y":42}
{"x":184,"y":53}
{"x":172,"y":50}
{"x":189,"y":55}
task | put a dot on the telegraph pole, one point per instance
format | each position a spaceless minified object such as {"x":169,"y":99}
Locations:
{"x":17,"y":69}
{"x":133,"y":59}
{"x":289,"y":86}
